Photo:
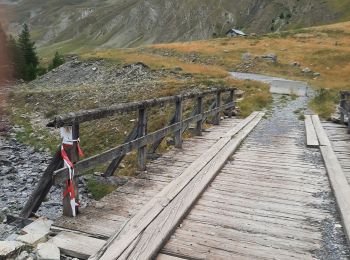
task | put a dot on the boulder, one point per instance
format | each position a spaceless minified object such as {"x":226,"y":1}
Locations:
{"x":270,"y":57}
{"x":306,"y":70}
{"x":48,"y":251}
{"x":10,"y":248}
{"x":35,"y":232}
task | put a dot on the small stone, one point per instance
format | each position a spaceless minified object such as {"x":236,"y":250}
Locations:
{"x":296,"y":64}
{"x":246,"y":57}
{"x":306,"y":70}
{"x":317,"y":74}
{"x":48,"y":251}
{"x":94,"y":68}
{"x":22,"y":256}
{"x":270,"y":57}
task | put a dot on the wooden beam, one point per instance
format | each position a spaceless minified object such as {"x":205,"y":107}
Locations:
{"x":216,"y":119}
{"x":116,"y":162}
{"x":111,"y":154}
{"x":231,"y":99}
{"x":43,"y":187}
{"x":321,"y":134}
{"x":311,"y":137}
{"x":118,"y":243}
{"x":141,"y":132}
{"x":342,"y":107}
{"x":178,"y":118}
{"x":98,"y":113}
{"x":199,"y":125}
{"x":340,"y":186}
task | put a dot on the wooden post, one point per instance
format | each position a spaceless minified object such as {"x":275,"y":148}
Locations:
{"x":199,"y":111}
{"x":178,"y":118}
{"x":342,"y":107}
{"x":73,"y":154}
{"x":231,"y":99}
{"x":216,"y":119}
{"x":43,"y":187}
{"x":141,"y":131}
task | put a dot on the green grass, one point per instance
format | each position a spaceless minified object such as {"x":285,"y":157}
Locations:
{"x":324,"y":102}
{"x":99,"y":190}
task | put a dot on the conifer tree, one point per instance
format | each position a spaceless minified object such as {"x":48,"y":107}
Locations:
{"x":56,"y":61}
{"x":27,"y":47}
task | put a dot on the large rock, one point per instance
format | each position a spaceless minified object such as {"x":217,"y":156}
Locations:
{"x":47,"y":251}
{"x":35,"y":232}
{"x":10,"y":248}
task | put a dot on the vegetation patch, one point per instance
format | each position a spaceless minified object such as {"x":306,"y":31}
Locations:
{"x":99,"y":190}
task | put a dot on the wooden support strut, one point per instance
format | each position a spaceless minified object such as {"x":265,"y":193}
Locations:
{"x":141,"y":131}
{"x":116,"y":162}
{"x":231,"y":99}
{"x":342,"y":107}
{"x":199,"y":124}
{"x":216,"y":120}
{"x":178,"y":118}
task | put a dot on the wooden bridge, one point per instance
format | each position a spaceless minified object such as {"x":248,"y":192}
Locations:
{"x":263,"y":187}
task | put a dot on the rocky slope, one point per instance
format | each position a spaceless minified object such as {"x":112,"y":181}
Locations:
{"x":77,"y":24}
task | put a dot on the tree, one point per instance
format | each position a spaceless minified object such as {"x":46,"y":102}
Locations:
{"x":31,"y":60}
{"x":57,"y":60}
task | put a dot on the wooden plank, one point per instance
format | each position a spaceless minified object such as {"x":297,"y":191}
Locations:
{"x":76,"y":245}
{"x":141,"y":132}
{"x":311,"y":137}
{"x":158,"y":231}
{"x":321,"y":134}
{"x":340,"y":186}
{"x":178,"y":118}
{"x":120,"y":241}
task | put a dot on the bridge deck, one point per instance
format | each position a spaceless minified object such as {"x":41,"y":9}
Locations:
{"x":272,"y":200}
{"x":107,"y":216}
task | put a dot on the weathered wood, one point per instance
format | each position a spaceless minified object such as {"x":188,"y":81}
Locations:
{"x":157,"y":143}
{"x":168,"y":257}
{"x":141,"y":131}
{"x":116,"y":162}
{"x":199,"y":124}
{"x":231,"y":99}
{"x":342,"y":107}
{"x":158,"y":231}
{"x":43,"y":187}
{"x":93,"y":114}
{"x":311,"y":137}
{"x":216,"y":119}
{"x":340,"y":186}
{"x":77,"y":245}
{"x":321,"y":134}
{"x":119,"y":242}
{"x":111,"y":154}
{"x":178,"y":118}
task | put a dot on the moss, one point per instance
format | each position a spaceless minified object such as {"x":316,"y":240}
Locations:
{"x":99,"y":190}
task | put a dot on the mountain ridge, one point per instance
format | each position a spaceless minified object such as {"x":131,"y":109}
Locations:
{"x":72,"y":25}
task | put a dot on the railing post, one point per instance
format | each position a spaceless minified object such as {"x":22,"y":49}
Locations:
{"x":231,"y":99}
{"x":342,"y":107}
{"x":199,"y":125}
{"x":141,"y":131}
{"x":216,"y":120}
{"x":74,"y":157}
{"x":178,"y":118}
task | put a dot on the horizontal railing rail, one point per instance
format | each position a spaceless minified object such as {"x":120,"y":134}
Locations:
{"x":138,"y":139}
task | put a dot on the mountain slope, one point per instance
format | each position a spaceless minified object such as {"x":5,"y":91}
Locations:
{"x":75,"y":24}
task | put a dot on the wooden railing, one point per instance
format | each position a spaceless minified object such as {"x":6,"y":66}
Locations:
{"x":138,"y":139}
{"x":344,"y":107}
